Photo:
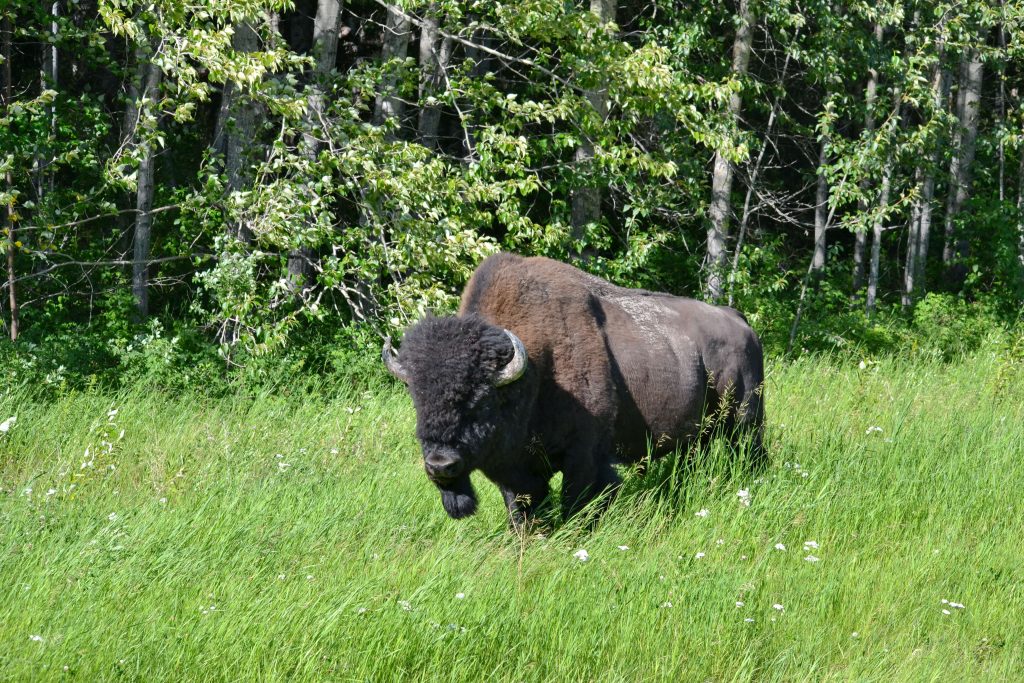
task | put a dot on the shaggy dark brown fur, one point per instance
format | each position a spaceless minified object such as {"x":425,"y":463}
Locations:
{"x":610,"y":370}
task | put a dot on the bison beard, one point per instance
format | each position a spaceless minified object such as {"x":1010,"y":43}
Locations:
{"x":458,"y":498}
{"x":548,"y":369}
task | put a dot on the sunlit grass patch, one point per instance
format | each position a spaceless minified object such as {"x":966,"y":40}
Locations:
{"x":297,"y":538}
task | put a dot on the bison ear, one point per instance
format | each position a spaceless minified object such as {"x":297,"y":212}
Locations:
{"x":392,"y":363}
{"x":515,"y":368}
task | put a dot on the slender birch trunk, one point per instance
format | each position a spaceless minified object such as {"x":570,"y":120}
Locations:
{"x":752,"y":181}
{"x":861,"y":237}
{"x":395,"y":46}
{"x":144,"y":193}
{"x":326,"y":27}
{"x":920,"y":229}
{"x":878,"y":229}
{"x":955,"y":246}
{"x":435,"y":53}
{"x":821,"y":210}
{"x":722,"y":174}
{"x":48,"y":78}
{"x":586,"y":201}
{"x":12,"y":295}
{"x":1020,"y":216}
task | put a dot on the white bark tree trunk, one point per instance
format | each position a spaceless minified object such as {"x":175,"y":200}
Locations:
{"x":878,"y":229}
{"x":435,"y":53}
{"x":5,"y":40}
{"x":821,"y":211}
{"x":586,"y":201}
{"x":326,"y":27}
{"x":1020,"y":216}
{"x":144,"y":192}
{"x":395,"y":46}
{"x":722,"y":173}
{"x":920,"y":227}
{"x":870,"y":96}
{"x":955,"y":247}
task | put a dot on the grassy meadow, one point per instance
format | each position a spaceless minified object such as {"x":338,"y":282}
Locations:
{"x":278,"y":537}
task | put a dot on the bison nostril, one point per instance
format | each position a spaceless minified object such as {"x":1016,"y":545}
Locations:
{"x":443,"y":465}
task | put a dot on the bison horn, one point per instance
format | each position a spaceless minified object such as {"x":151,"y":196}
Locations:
{"x":394,"y":365}
{"x":515,"y":368}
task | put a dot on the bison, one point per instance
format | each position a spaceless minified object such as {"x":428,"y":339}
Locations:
{"x":547,"y":368}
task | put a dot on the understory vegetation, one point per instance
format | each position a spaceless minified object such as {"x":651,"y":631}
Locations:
{"x":199,"y":195}
{"x":277,"y":535}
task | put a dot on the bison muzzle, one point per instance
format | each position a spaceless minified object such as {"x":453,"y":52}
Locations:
{"x":548,"y":369}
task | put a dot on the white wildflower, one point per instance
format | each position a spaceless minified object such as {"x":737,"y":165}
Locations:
{"x":872,"y":429}
{"x":309,"y":577}
{"x":744,"y":496}
{"x":812,"y":558}
{"x":703,"y":513}
{"x":698,"y":556}
{"x":855,"y":635}
{"x":581,"y":555}
{"x":666,"y":605}
{"x":946,"y":611}
{"x":6,"y":425}
{"x":778,"y":607}
{"x":36,"y":638}
{"x":460,"y":596}
{"x":780,"y":546}
{"x":334,"y":451}
{"x":112,"y":413}
{"x":361,"y":610}
{"x":163,"y":501}
{"x":749,"y":620}
{"x":405,"y":605}
{"x":623,"y":547}
{"x":810,"y":545}
{"x":112,"y":516}
{"x":51,"y":492}
{"x":740,"y":603}
{"x":280,"y":577}
{"x":956,"y":605}
{"x":282,"y":466}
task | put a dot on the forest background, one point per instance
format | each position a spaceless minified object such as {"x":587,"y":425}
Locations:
{"x":201,"y":192}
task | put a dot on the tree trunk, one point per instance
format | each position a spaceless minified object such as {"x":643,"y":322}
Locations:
{"x":1020,"y":217}
{"x":955,"y":246}
{"x":876,"y":240}
{"x":435,"y":53}
{"x":326,"y":26}
{"x":870,"y":95}
{"x":878,"y":228}
{"x":586,"y":201}
{"x":239,"y":116}
{"x":721,"y":175}
{"x":6,"y":30}
{"x":144,"y":197}
{"x":752,"y":181}
{"x":821,"y":210}
{"x":920,"y":228}
{"x":48,"y":78}
{"x":395,"y":46}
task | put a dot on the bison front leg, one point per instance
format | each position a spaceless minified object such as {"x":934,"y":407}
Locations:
{"x":523,"y":499}
{"x":584,"y":478}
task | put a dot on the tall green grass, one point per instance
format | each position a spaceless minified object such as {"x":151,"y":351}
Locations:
{"x":270,"y":538}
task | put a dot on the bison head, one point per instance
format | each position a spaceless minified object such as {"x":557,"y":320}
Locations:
{"x":455,"y":369}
